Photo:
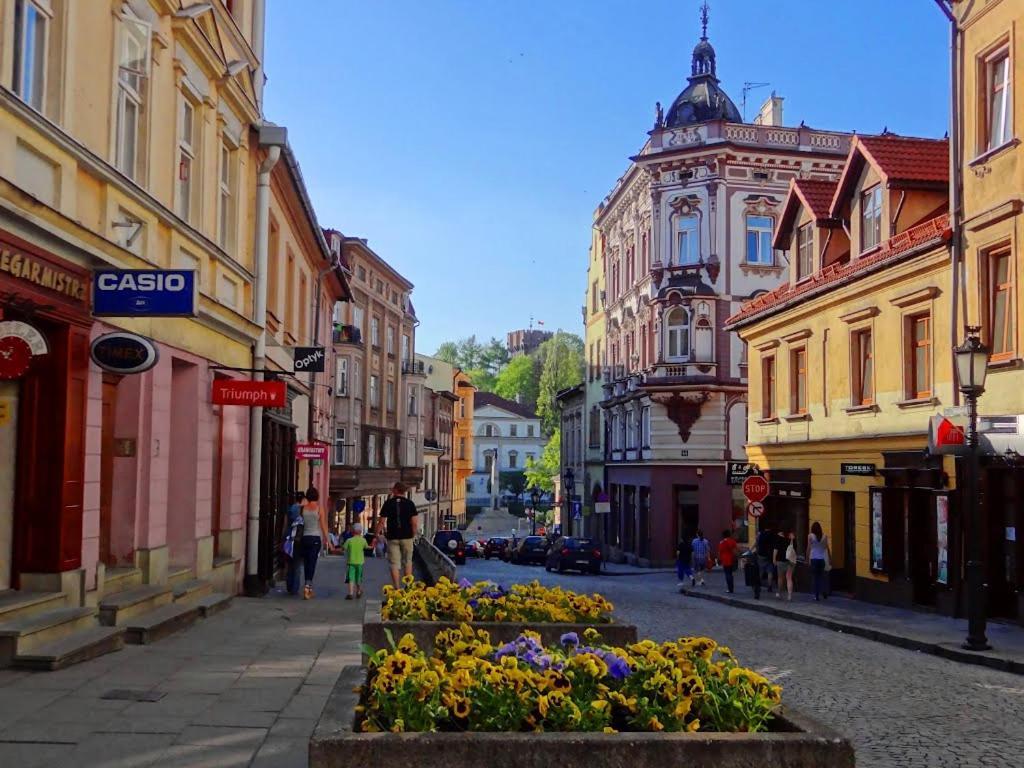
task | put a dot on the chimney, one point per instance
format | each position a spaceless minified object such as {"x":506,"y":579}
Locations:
{"x":770,"y":112}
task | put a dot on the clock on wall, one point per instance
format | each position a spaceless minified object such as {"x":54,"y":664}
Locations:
{"x":15,"y":357}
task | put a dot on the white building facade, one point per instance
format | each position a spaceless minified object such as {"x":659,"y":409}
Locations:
{"x":506,"y":434}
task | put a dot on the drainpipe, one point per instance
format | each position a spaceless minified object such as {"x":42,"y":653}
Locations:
{"x":899,"y":210}
{"x":273,"y":137}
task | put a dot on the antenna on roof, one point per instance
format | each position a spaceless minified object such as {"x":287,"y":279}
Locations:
{"x":747,"y":88}
{"x":704,"y":13}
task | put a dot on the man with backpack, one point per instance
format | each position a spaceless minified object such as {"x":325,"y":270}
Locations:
{"x":398,"y":522}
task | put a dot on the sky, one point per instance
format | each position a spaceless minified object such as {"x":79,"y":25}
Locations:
{"x":471,"y":140}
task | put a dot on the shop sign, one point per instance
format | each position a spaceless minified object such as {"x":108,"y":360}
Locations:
{"x":254,"y":394}
{"x":19,"y":343}
{"x":739,"y":471}
{"x":861,"y":470}
{"x":309,"y":360}
{"x":144,"y":292}
{"x":42,"y":274}
{"x":755,"y":488}
{"x":311,"y":451}
{"x":602,"y":507}
{"x":947,"y":435}
{"x":121,"y":352}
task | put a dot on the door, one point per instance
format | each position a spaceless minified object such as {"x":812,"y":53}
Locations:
{"x":922,"y":546}
{"x":108,"y":419}
{"x":843,"y":540}
{"x":687,"y":512}
{"x":8,"y":473}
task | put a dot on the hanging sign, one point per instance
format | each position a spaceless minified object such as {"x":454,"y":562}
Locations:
{"x":144,"y":292}
{"x":947,"y":435}
{"x":19,"y":343}
{"x":121,"y":352}
{"x":254,"y":394}
{"x":309,"y":359}
{"x":311,"y":451}
{"x":739,"y":471}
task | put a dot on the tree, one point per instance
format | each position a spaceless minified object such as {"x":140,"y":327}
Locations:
{"x":481,"y":362}
{"x":519,"y":380}
{"x":449,"y":352}
{"x":539,"y":473}
{"x":563,"y":366}
{"x":494,"y":356}
{"x":481,"y":378}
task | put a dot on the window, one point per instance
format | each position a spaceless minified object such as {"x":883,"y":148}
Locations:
{"x":375,"y":331}
{"x":412,"y":401}
{"x":999,"y":110}
{"x":488,"y":463}
{"x":513,"y":430}
{"x":529,"y":430}
{"x":362,"y":273}
{"x":918,"y":349}
{"x":1000,"y":314}
{"x":804,"y":251}
{"x":391,"y":340}
{"x":595,"y":428}
{"x":226,"y":225}
{"x":391,"y":396}
{"x":303,"y":327}
{"x":645,"y":427}
{"x":31,"y":37}
{"x":374,"y":391}
{"x":768,"y":387}
{"x":406,"y":347}
{"x":371,"y":450}
{"x":339,"y":445}
{"x":798,"y":381}
{"x":462,"y":448}
{"x":513,"y":459}
{"x":132,"y":73}
{"x":530,"y":458}
{"x":593,"y":297}
{"x":687,"y":242}
{"x":357,"y":378}
{"x":630,"y":430}
{"x":862,"y":365}
{"x":759,"y":240}
{"x":387,"y":451}
{"x":358,"y":318}
{"x":462,"y":407}
{"x":871,"y":218}
{"x":186,"y":157}
{"x":677,"y":334}
{"x":489,"y":431}
{"x":341,"y":380}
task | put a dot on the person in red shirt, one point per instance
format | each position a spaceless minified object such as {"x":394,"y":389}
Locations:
{"x":727,"y":557}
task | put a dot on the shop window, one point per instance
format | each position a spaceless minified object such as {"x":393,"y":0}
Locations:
{"x":862,"y":368}
{"x":1001,"y":326}
{"x":918,"y":350}
{"x":798,"y":381}
{"x":768,"y":410}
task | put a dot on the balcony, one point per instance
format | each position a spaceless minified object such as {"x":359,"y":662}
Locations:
{"x":412,"y":475}
{"x":346,"y":334}
{"x":681,"y":373}
{"x":413,"y":368}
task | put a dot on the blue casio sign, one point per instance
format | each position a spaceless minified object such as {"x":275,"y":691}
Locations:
{"x":144,"y":292}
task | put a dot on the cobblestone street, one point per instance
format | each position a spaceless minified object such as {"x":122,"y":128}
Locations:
{"x":900,"y":708}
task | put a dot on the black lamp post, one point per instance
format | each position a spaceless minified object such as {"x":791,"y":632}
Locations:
{"x":534,"y":499}
{"x":971,"y":368}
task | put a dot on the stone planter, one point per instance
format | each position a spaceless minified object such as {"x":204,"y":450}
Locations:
{"x":501,"y":631}
{"x":795,"y":742}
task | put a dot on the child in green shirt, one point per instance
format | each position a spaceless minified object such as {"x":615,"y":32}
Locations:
{"x":355,"y":554}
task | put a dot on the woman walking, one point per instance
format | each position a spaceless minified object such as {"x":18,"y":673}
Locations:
{"x":314,"y":534}
{"x":785,"y":563}
{"x":819,"y":555}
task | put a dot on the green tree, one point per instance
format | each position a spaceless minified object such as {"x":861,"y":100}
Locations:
{"x":520,"y":379}
{"x":449,"y":352}
{"x":539,"y":472}
{"x":494,"y":356}
{"x":563,"y":366}
{"x":470,"y":355}
{"x":482,"y":379}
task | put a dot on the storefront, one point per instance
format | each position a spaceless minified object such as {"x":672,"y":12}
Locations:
{"x":44,"y":378}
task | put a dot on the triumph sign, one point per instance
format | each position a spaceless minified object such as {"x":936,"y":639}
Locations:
{"x":254,"y":394}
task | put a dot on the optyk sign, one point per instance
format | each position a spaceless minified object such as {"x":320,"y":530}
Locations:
{"x":309,"y":359}
{"x":144,"y":292}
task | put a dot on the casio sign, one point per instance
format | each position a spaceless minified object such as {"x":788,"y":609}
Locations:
{"x":309,"y":359}
{"x":144,"y":292}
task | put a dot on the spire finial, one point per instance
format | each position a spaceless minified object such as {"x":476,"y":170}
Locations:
{"x":704,"y":12}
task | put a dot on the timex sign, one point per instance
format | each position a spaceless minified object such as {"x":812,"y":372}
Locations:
{"x":309,"y":359}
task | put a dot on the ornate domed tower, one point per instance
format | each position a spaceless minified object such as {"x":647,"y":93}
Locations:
{"x":702,"y":100}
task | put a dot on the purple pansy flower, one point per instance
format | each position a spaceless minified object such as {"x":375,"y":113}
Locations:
{"x":570,"y":639}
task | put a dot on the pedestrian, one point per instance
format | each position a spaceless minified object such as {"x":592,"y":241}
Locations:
{"x":701,"y":555}
{"x":765,"y":555}
{"x":786,"y":564}
{"x":398,"y":522}
{"x":752,"y":572}
{"x":727,"y":557}
{"x":292,"y":545}
{"x":349,"y":532}
{"x":355,"y":556}
{"x":819,"y":555}
{"x":684,"y":559}
{"x":781,"y":543}
{"x":314,"y":538}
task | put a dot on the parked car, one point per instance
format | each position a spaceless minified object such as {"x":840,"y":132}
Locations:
{"x":532,"y":549}
{"x":573,"y":553}
{"x":497,"y":546}
{"x":473,"y":548}
{"x":452,"y":544}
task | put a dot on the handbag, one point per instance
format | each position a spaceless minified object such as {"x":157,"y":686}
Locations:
{"x":791,"y":554}
{"x":828,"y":555}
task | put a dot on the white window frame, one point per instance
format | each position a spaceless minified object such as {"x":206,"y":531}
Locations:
{"x":764,"y":254}
{"x":357,"y":378}
{"x":226,"y":194}
{"x":391,"y":339}
{"x":677,"y":337}
{"x":687,"y":240}
{"x":339,"y":445}
{"x":36,"y":81}
{"x":871,"y":205}
{"x":804,"y":251}
{"x":998,"y":132}
{"x":374,"y":391}
{"x":130,"y":90}
{"x":406,"y":347}
{"x":386,"y":444}
{"x":341,"y":380}
{"x":371,"y":450}
{"x":186,"y":187}
{"x":375,"y":331}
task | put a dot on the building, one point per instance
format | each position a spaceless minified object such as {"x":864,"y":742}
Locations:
{"x":572,"y":406}
{"x":848,"y":363}
{"x":377,"y":441}
{"x":594,"y":488}
{"x":135,"y":150}
{"x":684,"y":237}
{"x":991,"y":122}
{"x":462,"y":439}
{"x":506,"y":435}
{"x":525,"y":341}
{"x":434,"y":496}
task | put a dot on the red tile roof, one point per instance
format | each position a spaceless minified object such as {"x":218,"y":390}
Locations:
{"x":899,"y":160}
{"x":813,"y":194}
{"x":929,"y":233}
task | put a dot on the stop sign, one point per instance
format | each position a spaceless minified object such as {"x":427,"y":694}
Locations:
{"x":755,"y":488}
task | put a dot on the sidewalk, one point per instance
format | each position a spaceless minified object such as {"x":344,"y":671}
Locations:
{"x":915,"y":630}
{"x":244,"y":687}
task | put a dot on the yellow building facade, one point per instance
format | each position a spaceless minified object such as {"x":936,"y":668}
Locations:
{"x":462,"y":442}
{"x":594,"y":345}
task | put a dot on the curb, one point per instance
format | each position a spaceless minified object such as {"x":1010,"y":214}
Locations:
{"x":944,"y":650}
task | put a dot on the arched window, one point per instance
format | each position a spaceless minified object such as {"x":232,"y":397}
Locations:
{"x":488,"y":431}
{"x":687,"y":240}
{"x":677,"y":334}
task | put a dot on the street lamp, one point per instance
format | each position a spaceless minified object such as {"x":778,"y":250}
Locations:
{"x":534,"y":499}
{"x":971,"y":368}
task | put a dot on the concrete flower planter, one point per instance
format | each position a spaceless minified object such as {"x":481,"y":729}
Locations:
{"x":424,"y":632}
{"x":795,"y":742}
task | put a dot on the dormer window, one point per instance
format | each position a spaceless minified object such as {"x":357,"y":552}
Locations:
{"x":804,"y":251}
{"x":871,"y":218}
{"x":687,"y":242}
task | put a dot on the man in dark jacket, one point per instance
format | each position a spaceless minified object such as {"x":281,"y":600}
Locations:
{"x":398,"y":522}
{"x":684,"y":557}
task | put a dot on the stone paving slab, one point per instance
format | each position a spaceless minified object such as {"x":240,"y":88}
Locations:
{"x":243,"y":687}
{"x":914,"y":630}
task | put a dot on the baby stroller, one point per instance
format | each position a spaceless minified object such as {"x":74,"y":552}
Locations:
{"x":752,"y":572}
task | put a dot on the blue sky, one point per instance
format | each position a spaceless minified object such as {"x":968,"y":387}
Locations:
{"x":471,"y":140}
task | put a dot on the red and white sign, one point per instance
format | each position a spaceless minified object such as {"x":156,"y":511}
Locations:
{"x":755,"y":488}
{"x":755,"y":509}
{"x":317,"y":451}
{"x":947,"y":435}
{"x":19,"y":343}
{"x":254,"y":394}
